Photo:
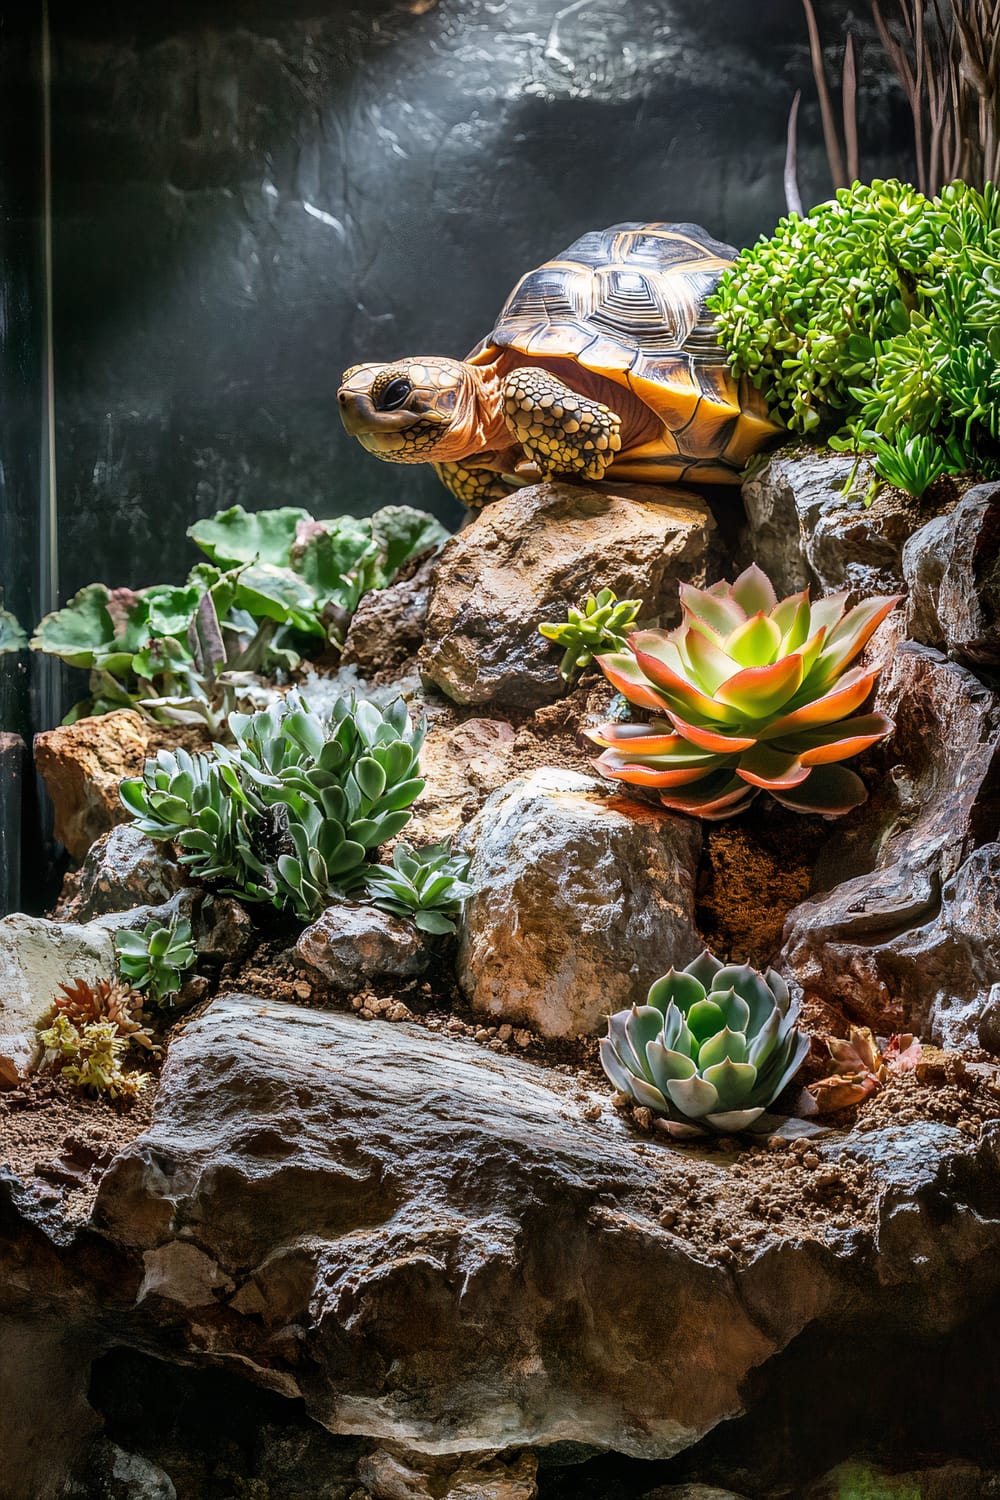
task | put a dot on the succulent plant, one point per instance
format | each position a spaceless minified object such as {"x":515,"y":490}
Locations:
{"x":427,"y":884}
{"x":601,"y":625}
{"x":863,"y":1064}
{"x":92,"y":1026}
{"x":878,"y":310}
{"x":712,"y":1047}
{"x":156,"y":959}
{"x":292,"y":812}
{"x":755,"y":695}
{"x":280,"y":586}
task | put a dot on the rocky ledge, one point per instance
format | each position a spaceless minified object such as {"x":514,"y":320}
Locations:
{"x":456,"y":1253}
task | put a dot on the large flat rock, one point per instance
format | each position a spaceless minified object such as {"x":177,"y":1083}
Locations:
{"x":429,"y":1244}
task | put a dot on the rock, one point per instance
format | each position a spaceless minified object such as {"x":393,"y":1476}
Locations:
{"x":803,"y":532}
{"x":349,"y":946}
{"x":36,"y":957}
{"x":461,"y":764}
{"x":691,"y":1492}
{"x":122,"y":868}
{"x":908,"y":941}
{"x":528,"y":557}
{"x":82,"y":765}
{"x":43,"y":1370}
{"x":430,"y":1248}
{"x":388,"y":626}
{"x":398,"y":1476}
{"x":224,"y":933}
{"x":581,"y":900}
{"x":952,"y":569}
{"x":112,"y":1474}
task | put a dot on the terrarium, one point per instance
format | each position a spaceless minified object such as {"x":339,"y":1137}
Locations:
{"x":500,"y":729}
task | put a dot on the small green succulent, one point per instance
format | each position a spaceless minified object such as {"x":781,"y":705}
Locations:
{"x":156,"y":959}
{"x":601,"y":625}
{"x":427,"y":884}
{"x":291,"y":813}
{"x":713,"y":1046}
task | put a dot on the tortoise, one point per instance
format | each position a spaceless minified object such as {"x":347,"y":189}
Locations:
{"x":604,"y":361}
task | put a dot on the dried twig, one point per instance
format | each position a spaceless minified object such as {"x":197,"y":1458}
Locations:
{"x":793,"y":198}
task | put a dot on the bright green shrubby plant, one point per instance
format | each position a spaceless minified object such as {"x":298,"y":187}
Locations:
{"x":878,"y":314}
{"x":749,"y":694}
{"x":291,"y":813}
{"x":713,"y":1046}
{"x":156,"y":960}
{"x":426,"y":884}
{"x":279,"y":586}
{"x":600,"y":625}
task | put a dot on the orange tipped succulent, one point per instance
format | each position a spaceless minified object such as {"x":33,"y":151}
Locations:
{"x":750,"y":694}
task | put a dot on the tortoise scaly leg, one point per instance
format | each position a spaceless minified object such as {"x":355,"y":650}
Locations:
{"x":560,"y":431}
{"x":474,"y":487}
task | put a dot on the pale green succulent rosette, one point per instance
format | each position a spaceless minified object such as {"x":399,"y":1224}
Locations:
{"x":713,"y":1046}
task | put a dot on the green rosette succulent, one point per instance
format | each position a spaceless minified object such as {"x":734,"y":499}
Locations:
{"x":713,"y":1046}
{"x":156,"y":959}
{"x":751,"y":694}
{"x":601,"y":625}
{"x":427,"y":885}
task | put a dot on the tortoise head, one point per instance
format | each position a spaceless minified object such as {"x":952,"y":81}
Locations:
{"x":412,"y":411}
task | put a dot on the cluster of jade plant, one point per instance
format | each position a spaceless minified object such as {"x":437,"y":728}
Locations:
{"x":279,"y":586}
{"x":427,"y":885}
{"x":748,"y":694}
{"x":291,"y":813}
{"x":875,"y":320}
{"x":156,"y":960}
{"x":713,"y":1046}
{"x":92,"y":1028}
{"x":600,"y":624}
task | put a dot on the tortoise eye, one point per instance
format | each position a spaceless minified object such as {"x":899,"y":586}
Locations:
{"x":396,"y":394}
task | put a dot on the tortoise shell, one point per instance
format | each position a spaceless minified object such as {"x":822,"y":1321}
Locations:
{"x":625,"y":307}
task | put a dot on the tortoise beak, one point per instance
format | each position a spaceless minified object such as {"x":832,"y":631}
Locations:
{"x":356,"y":411}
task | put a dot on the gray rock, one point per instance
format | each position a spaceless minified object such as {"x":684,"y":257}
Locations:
{"x":348,"y":946}
{"x":952,"y":568}
{"x":112,"y":1474}
{"x":528,"y":557}
{"x":431,"y":1246}
{"x":581,"y":900}
{"x":36,"y":957}
{"x":909,"y":940}
{"x":224,"y":932}
{"x":804,"y":532}
{"x":44,"y":1370}
{"x":123,"y":868}
{"x":388,"y":626}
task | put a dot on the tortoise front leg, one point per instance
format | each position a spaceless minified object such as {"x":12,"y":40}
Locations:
{"x":560,"y":431}
{"x":473,"y":486}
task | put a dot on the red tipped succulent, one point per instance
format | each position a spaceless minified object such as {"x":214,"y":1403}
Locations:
{"x":750,"y":694}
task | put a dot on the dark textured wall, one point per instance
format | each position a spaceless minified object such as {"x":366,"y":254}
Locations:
{"x":251,"y":196}
{"x":21,"y":350}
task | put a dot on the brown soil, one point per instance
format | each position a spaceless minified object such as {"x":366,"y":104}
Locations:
{"x":754,"y":871}
{"x":59,"y":1141}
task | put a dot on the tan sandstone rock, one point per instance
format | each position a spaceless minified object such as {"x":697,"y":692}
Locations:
{"x":82,"y":765}
{"x":527,"y":558}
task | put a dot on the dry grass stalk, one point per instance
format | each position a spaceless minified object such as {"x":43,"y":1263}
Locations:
{"x":946,"y":56}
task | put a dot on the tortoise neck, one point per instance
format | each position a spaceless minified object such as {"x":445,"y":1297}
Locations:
{"x":478,"y":423}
